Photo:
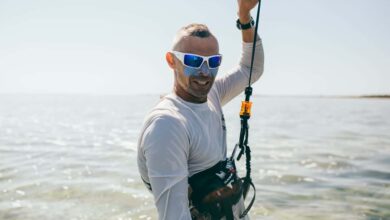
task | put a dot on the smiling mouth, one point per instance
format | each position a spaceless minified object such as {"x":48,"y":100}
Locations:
{"x":201,"y":82}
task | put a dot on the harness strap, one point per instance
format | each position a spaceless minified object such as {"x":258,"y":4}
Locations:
{"x":252,"y":201}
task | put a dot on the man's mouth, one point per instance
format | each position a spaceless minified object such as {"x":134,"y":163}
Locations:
{"x":201,"y":82}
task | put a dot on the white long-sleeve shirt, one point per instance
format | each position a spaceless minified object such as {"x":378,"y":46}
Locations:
{"x":180,"y":139}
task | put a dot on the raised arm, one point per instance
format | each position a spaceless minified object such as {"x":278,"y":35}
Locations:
{"x":234,"y":83}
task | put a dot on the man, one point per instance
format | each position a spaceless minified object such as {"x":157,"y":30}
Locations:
{"x":185,"y":133}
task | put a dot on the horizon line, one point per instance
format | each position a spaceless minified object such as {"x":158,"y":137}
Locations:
{"x":368,"y":95}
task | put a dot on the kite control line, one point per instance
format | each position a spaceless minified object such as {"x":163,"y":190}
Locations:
{"x":245,"y":114}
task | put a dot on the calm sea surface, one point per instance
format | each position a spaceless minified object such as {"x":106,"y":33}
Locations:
{"x":74,"y":157}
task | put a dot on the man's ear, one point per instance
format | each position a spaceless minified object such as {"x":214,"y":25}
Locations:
{"x":170,"y":60}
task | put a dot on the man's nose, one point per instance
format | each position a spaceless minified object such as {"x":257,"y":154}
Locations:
{"x":204,"y":69}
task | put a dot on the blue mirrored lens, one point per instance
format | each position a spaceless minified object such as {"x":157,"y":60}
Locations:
{"x":191,"y":71}
{"x":215,"y":62}
{"x":193,"y":60}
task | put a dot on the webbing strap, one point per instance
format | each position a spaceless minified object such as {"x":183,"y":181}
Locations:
{"x":243,"y":214}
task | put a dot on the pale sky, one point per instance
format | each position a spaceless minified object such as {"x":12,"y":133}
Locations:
{"x":312,"y":47}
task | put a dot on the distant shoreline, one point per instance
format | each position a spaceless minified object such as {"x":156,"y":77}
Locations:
{"x":375,"y":96}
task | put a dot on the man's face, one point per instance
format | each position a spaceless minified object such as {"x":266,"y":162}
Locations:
{"x":193,"y":84}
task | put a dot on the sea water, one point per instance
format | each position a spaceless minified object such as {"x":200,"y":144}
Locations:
{"x":74,"y":157}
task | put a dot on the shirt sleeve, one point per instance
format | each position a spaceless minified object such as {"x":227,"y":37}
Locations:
{"x":166,"y":148}
{"x":235,"y":82}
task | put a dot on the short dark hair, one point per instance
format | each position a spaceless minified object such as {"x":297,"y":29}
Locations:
{"x":193,"y":30}
{"x":197,"y":30}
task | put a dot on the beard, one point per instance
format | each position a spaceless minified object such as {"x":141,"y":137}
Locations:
{"x":200,"y":88}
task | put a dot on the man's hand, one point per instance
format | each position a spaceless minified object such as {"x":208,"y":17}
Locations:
{"x":244,"y":8}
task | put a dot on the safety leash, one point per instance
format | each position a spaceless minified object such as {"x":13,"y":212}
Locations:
{"x":245,"y":114}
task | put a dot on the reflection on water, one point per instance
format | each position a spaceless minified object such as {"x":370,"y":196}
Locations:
{"x":74,"y":157}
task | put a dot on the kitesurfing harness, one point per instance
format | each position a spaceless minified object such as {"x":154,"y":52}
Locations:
{"x":215,"y":190}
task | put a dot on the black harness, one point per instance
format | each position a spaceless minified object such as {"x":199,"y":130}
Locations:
{"x":216,"y":189}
